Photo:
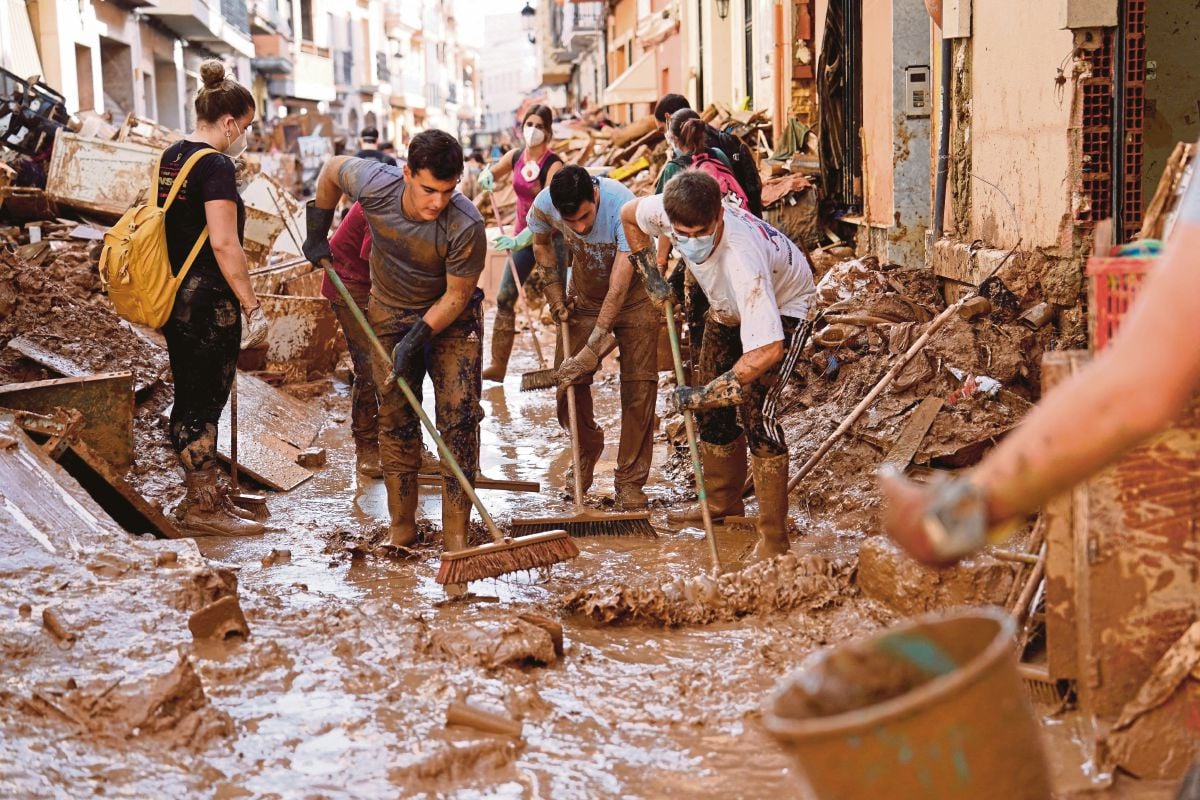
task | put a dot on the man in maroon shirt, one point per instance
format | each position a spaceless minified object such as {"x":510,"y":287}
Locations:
{"x":351,"y":246}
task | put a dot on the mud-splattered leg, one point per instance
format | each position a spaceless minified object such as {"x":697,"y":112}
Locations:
{"x":364,"y":402}
{"x":636,"y":331}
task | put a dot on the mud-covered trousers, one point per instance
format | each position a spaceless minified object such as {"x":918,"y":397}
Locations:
{"x":364,"y":403}
{"x":719,"y":351}
{"x":203,"y":337}
{"x":453,"y":360}
{"x":636,"y":331}
{"x":523,"y":260}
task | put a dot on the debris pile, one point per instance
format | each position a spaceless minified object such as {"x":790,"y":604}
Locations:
{"x":787,"y":583}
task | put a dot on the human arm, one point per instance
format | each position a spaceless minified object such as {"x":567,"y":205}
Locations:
{"x":221,"y":217}
{"x":641,"y":254}
{"x":1132,"y":389}
{"x":502,"y":167}
{"x":518,"y":242}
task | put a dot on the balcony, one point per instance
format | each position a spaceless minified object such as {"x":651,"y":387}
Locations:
{"x":204,"y":23}
{"x":267,"y":19}
{"x":313,"y":77}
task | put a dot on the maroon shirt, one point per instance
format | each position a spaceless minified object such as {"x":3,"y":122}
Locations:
{"x":351,"y":246}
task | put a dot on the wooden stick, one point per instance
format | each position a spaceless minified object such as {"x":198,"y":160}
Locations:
{"x":1009,"y":555}
{"x":866,"y":402}
{"x":1021,"y":612}
{"x":480,"y":720}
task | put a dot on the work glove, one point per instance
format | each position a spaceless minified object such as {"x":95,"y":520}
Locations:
{"x":656,"y":286}
{"x":587,"y":359}
{"x":413,"y":342}
{"x":486,"y":181}
{"x":317,"y":222}
{"x":724,"y":390}
{"x":560,"y":307}
{"x":518,"y":242}
{"x":254,"y":328}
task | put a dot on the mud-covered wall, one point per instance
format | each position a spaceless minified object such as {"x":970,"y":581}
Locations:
{"x":1019,"y":124}
{"x":877,"y":109}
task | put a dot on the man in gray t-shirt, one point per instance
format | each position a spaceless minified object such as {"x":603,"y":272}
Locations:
{"x":427,"y":253}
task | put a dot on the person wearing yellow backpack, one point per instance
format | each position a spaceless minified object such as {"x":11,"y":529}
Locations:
{"x":216,"y":312}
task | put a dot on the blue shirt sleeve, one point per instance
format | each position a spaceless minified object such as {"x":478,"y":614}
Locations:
{"x":542,"y":208}
{"x":618,"y":194}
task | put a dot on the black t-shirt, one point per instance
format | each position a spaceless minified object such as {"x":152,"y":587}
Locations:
{"x":377,"y":155}
{"x":212,"y":178}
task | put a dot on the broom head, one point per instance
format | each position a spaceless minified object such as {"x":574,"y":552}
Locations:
{"x":588,"y":524}
{"x":538,"y":379}
{"x":494,"y":559}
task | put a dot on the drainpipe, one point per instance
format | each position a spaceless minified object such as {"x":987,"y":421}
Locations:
{"x":943,"y":156}
{"x":781,"y":73}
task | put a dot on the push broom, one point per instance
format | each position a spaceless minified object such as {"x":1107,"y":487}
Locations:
{"x":500,"y":556}
{"x":543,"y":377}
{"x":585,"y":521}
{"x":689,"y":422}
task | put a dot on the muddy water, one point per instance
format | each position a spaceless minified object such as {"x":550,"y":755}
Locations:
{"x":340,"y":691}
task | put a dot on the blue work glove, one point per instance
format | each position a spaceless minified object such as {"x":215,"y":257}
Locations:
{"x":486,"y":180}
{"x":518,"y":242}
{"x":656,"y":285}
{"x":413,"y":342}
{"x":724,"y":390}
{"x":317,"y":222}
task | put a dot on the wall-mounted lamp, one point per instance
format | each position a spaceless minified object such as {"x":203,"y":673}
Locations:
{"x":722,"y":8}
{"x":527,"y":21}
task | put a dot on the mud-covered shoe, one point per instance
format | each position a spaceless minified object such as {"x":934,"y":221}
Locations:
{"x":631,"y":497}
{"x":366,"y":459}
{"x":430,"y":465}
{"x":203,"y":512}
{"x":724,"y":480}
{"x":402,"y":509}
{"x":770,"y":484}
{"x":503,"y":332}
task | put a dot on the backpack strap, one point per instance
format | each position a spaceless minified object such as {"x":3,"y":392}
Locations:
{"x":179,"y":179}
{"x":181,"y":176}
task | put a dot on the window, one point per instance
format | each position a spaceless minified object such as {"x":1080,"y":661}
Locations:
{"x":306,"y":20}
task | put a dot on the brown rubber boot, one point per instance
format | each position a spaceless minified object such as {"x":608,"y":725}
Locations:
{"x":770,"y":484}
{"x":402,"y":507}
{"x":724,"y":479}
{"x":456,"y":516}
{"x":366,"y":456}
{"x":504,"y":329}
{"x":587,"y":462}
{"x":631,"y":497}
{"x":202,"y":510}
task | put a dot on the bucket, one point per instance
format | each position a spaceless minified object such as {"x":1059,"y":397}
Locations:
{"x":932,"y":708}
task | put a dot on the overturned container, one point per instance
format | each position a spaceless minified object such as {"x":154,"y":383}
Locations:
{"x":930,"y":708}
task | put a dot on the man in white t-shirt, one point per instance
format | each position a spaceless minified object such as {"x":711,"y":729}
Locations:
{"x":760,"y":289}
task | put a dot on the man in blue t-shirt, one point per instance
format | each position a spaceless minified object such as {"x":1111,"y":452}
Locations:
{"x":606,"y":306}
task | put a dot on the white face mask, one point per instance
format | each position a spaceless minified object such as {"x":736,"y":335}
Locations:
{"x":236,"y":146}
{"x":695,"y":249}
{"x":533,"y":135}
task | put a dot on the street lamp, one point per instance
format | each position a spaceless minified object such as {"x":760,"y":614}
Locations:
{"x":527,"y":21}
{"x":722,"y":8}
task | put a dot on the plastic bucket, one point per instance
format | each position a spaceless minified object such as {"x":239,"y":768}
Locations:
{"x":933,"y":709}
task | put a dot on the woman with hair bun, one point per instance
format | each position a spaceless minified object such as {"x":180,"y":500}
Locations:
{"x":216,"y":312}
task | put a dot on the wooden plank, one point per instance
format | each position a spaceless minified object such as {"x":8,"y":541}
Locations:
{"x":484,"y":482}
{"x":913,"y":433}
{"x":1062,"y":622}
{"x":123,"y":503}
{"x":105,"y":400}
{"x":64,"y":364}
{"x":273,"y":427}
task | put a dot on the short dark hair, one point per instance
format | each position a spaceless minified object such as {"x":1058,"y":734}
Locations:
{"x":668,"y":105}
{"x":369,"y":134}
{"x":386,"y":146}
{"x":438,"y":152}
{"x":570,"y":188}
{"x":691,"y":198}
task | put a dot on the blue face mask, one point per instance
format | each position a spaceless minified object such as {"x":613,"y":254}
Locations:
{"x":695,"y":249}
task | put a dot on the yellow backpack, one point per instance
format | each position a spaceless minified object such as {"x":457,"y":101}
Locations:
{"x":134,"y":267}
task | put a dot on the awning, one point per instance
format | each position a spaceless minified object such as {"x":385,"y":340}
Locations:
{"x":635,"y":85}
{"x":20,"y":51}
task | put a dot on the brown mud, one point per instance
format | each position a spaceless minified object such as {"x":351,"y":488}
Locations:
{"x":354,"y":655}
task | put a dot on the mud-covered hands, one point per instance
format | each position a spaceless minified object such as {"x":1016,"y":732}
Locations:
{"x":254,"y":328}
{"x":413,"y":342}
{"x":560,"y":306}
{"x":652,"y":278}
{"x":936,"y":524}
{"x":586,"y":361}
{"x":317,"y":222}
{"x":724,"y":390}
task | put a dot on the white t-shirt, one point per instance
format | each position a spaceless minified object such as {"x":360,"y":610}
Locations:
{"x":755,"y":275}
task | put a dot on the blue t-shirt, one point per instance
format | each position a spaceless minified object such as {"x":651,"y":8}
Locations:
{"x":592,"y":254}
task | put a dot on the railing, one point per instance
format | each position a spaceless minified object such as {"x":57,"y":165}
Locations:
{"x":236,"y":14}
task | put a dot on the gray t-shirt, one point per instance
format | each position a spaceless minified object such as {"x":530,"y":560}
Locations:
{"x":410,"y":259}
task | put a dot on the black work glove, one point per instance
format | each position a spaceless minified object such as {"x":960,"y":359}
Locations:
{"x":652,"y":278}
{"x":316,"y":223}
{"x":724,"y":390}
{"x":412,"y":342}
